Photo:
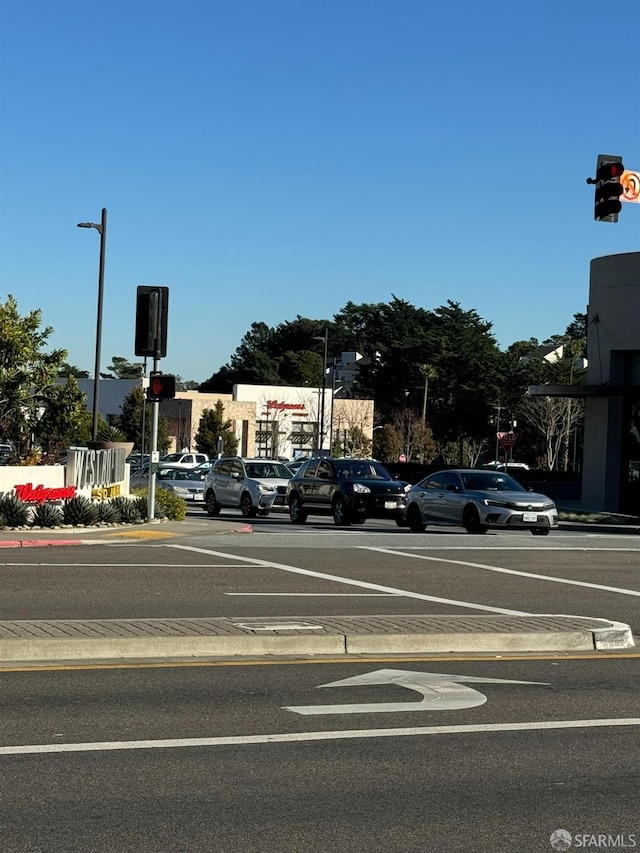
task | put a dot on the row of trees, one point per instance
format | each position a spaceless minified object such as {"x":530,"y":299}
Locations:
{"x":442,"y":386}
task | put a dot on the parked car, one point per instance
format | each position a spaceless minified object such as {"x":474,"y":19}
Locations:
{"x":187,"y":460}
{"x":256,"y":486}
{"x":479,"y":500}
{"x":495,"y":465}
{"x":174,"y":477}
{"x":350,"y":490}
{"x":201,"y":469}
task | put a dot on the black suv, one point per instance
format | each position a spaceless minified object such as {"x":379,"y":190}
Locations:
{"x":351,"y":490}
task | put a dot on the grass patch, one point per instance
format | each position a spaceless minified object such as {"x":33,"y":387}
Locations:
{"x":589,"y":517}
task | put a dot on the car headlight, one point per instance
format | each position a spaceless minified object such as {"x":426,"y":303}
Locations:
{"x":359,"y":489}
{"x":549,"y":505}
{"x":180,"y":490}
{"x":265,"y":489}
{"x":407,"y":487}
{"x":489,"y":502}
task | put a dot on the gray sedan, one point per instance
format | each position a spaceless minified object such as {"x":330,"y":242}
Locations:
{"x":478,"y":501}
{"x":179,"y":480}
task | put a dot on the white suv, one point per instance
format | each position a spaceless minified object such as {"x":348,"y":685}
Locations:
{"x":255,"y":485}
{"x":186,"y":460}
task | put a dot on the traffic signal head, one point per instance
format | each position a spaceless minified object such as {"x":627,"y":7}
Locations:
{"x":152,"y":306}
{"x":607,"y":204}
{"x":162,"y":386}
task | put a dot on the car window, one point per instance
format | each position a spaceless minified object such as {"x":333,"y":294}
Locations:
{"x":223,"y":468}
{"x":310,"y":470}
{"x":235,"y":467}
{"x":172,"y":457}
{"x":324,"y":470}
{"x":434,"y":482}
{"x":492,"y":482}
{"x":451,"y":481}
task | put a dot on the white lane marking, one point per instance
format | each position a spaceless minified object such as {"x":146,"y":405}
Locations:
{"x":293,"y":737}
{"x":440,"y":692}
{"x":322,"y":594}
{"x":121,"y":565}
{"x":567,"y":581}
{"x":284,"y":626}
{"x":350,"y":582}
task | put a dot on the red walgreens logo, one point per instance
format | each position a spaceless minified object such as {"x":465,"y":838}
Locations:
{"x":40,"y":494}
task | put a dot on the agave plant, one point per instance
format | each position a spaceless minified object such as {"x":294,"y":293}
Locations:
{"x":46,"y":515}
{"x":79,"y":511}
{"x":15,"y":511}
{"x":129,"y":512}
{"x":108,"y":512}
{"x":111,"y":433}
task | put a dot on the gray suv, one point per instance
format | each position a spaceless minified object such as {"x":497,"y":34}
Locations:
{"x":256,"y":486}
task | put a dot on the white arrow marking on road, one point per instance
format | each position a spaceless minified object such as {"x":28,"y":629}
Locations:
{"x":440,"y":692}
{"x":275,"y":626}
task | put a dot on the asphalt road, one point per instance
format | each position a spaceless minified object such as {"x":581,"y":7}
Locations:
{"x":213,"y":758}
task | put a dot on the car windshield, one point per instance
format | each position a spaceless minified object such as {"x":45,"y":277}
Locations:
{"x":492,"y":482}
{"x":362,"y":469}
{"x":267,"y":470}
{"x":173,"y":457}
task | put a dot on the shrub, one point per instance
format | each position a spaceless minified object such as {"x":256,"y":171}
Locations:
{"x":108,"y":512}
{"x":168,"y":504}
{"x":129,"y":512}
{"x":79,"y":510}
{"x":15,"y":511}
{"x":46,"y":515}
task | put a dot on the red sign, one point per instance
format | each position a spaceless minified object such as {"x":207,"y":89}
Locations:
{"x":507,"y":439}
{"x":40,"y":494}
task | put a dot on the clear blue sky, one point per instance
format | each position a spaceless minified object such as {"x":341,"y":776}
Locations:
{"x":269,"y":158}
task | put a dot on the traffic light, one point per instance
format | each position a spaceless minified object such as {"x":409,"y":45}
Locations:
{"x":607,"y":203}
{"x":162,"y":386}
{"x":152,"y":307}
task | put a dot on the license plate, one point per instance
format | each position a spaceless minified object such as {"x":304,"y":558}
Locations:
{"x":529,"y":516}
{"x":390,"y":504}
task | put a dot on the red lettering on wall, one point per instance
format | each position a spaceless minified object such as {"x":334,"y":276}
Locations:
{"x":274,"y":404}
{"x":40,"y":494}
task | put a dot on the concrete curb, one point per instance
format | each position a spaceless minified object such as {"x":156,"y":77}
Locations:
{"x":126,"y":532}
{"x":165,"y":639}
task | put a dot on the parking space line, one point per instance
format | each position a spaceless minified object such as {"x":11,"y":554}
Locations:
{"x":499,"y":570}
{"x":351,"y":582}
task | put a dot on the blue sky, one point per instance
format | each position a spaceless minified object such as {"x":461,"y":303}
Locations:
{"x":269,"y":158}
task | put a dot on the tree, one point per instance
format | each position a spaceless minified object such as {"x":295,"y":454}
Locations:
{"x":130,"y":421}
{"x":415,"y":435}
{"x":65,"y":421}
{"x":212,"y":426}
{"x":554,"y":418}
{"x":27,"y":374}
{"x":67,"y":370}
{"x":121,"y":368}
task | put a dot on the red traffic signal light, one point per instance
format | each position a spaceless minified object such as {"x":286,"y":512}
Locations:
{"x":608,"y":189}
{"x":162,"y":386}
{"x":609,"y":172}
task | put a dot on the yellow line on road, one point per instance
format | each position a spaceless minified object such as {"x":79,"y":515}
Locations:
{"x":313,"y":661}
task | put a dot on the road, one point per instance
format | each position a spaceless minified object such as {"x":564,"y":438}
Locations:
{"x":264,"y":755}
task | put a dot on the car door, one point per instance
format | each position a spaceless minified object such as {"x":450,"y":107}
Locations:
{"x":325,"y":485}
{"x":220,"y":474}
{"x":429,"y":495}
{"x":451,"y":504}
{"x":307,"y":485}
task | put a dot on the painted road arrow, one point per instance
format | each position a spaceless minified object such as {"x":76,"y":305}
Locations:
{"x":440,"y":692}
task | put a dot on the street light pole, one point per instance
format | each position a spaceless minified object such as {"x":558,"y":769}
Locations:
{"x":324,"y":338}
{"x":101,"y":228}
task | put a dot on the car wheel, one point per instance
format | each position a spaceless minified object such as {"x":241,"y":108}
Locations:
{"x":401,"y":521}
{"x":414,"y":519}
{"x":296,"y":513}
{"x":246,"y":506}
{"x":471,"y":521}
{"x":540,"y":531}
{"x":341,"y":514}
{"x":213,"y":507}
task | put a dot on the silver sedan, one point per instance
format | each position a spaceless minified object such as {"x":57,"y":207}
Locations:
{"x":478,"y":501}
{"x":179,"y":480}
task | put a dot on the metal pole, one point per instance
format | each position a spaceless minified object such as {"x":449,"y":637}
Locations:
{"x":154,"y":417}
{"x":144,"y":413}
{"x":102,"y":229}
{"x":324,"y":386}
{"x":333,"y":395}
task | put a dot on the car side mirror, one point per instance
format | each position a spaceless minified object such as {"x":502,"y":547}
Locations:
{"x":235,"y":475}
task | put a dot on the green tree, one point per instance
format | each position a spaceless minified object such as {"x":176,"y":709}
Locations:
{"x":67,"y":370}
{"x":121,"y":368}
{"x":65,"y":421}
{"x":212,"y":426}
{"x":28,"y":374}
{"x":130,"y":421}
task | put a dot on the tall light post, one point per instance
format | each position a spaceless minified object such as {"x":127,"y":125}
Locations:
{"x":324,"y":338}
{"x":101,"y":228}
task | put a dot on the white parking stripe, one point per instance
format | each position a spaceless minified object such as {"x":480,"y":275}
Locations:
{"x":293,"y":737}
{"x":351,"y":582}
{"x":500,"y":570}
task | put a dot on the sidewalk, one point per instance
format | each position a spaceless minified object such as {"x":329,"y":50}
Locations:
{"x":147,"y":531}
